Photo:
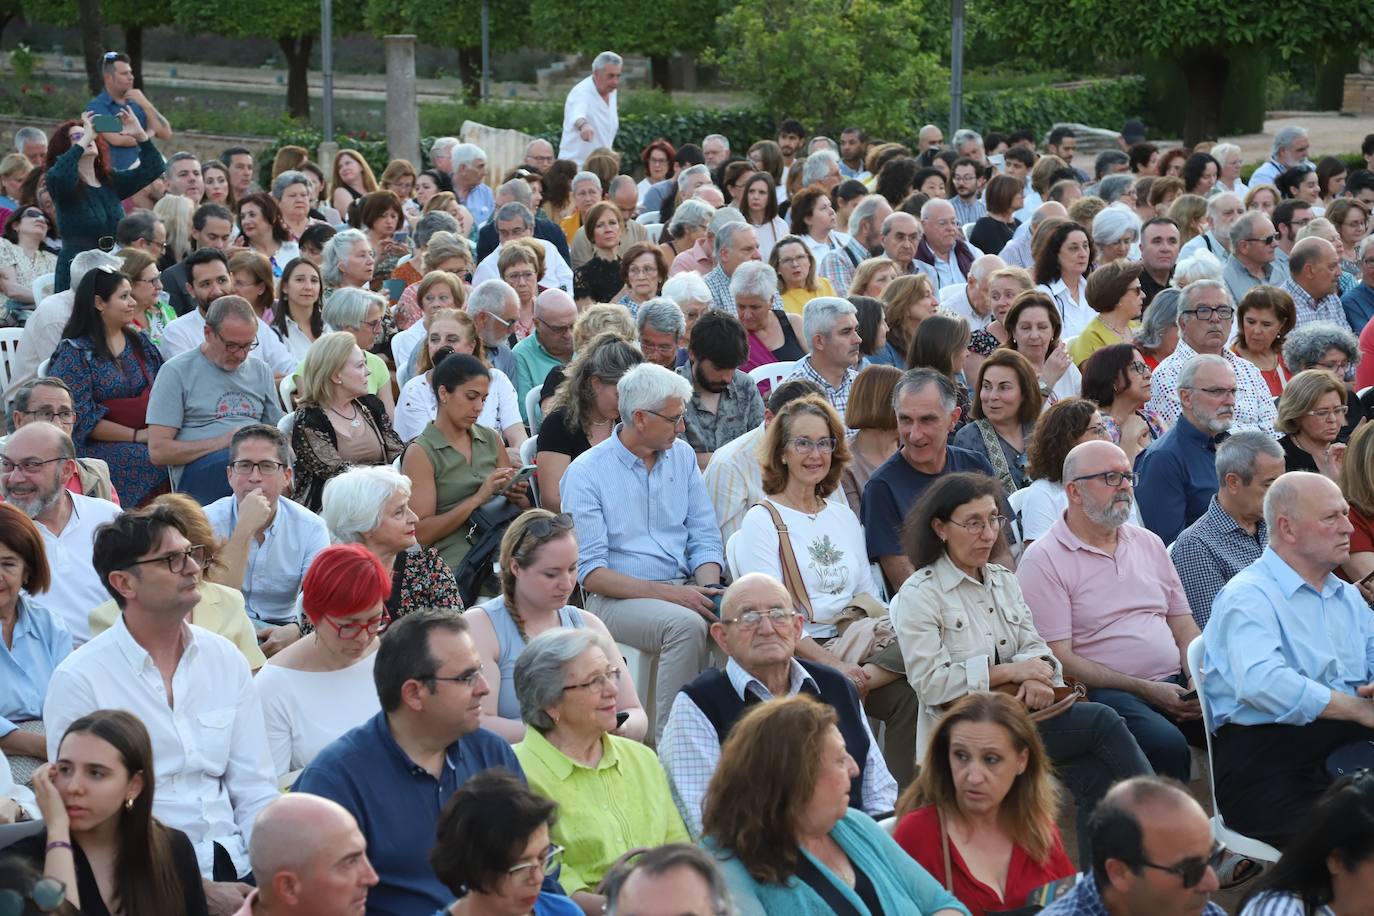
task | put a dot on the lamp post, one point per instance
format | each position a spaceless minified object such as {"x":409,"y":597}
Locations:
{"x":956,"y":66}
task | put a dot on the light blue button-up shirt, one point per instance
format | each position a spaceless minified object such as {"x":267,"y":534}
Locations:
{"x":650,"y":524}
{"x":40,"y":642}
{"x":275,"y":568}
{"x":1275,"y":648}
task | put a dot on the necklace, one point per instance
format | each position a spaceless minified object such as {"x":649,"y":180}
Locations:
{"x":1125,"y":333}
{"x":355,"y":421}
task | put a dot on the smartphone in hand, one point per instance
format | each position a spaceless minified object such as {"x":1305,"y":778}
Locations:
{"x":107,"y":124}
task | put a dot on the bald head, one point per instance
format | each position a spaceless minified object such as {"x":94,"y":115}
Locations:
{"x":1091,"y":458}
{"x":294,"y":832}
{"x":1293,"y":494}
{"x":1315,"y":266}
{"x":985,"y":267}
{"x":755,"y":590}
{"x":1050,"y":209}
{"x":41,"y":436}
{"x":709,"y":194}
{"x":555,"y":305}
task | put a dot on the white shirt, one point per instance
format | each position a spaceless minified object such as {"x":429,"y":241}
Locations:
{"x":1074,"y":314}
{"x":211,"y":762}
{"x":17,"y":793}
{"x":305,"y":710}
{"x":585,"y":102}
{"x":944,"y":271}
{"x":417,"y":406}
{"x":42,"y":334}
{"x":188,"y":332}
{"x":556,"y":270}
{"x":76,"y":588}
{"x":959,"y":305}
{"x":296,"y":341}
{"x":404,"y":345}
{"x":819,"y":250}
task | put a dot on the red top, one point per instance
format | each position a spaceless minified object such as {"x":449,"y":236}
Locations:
{"x":919,"y":834}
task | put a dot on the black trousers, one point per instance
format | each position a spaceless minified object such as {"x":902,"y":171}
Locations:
{"x":1269,"y":776}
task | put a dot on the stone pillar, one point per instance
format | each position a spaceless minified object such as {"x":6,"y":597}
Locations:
{"x":402,"y":113}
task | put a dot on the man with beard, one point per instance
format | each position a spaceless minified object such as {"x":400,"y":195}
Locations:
{"x":37,"y":462}
{"x":1110,"y":605}
{"x":1177,"y":474}
{"x":725,"y":402}
{"x":831,"y":326}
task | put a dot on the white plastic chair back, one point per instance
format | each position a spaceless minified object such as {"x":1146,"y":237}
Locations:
{"x":9,"y":349}
{"x":772,"y":373}
{"x":952,"y":291}
{"x":42,"y":287}
{"x":532,"y":409}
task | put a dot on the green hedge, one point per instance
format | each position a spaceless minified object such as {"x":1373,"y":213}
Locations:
{"x":1099,"y":103}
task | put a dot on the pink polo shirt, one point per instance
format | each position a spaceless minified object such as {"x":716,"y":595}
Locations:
{"x":1113,"y":608}
{"x":697,"y":258}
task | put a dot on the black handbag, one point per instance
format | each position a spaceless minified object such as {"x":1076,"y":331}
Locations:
{"x":486,"y":526}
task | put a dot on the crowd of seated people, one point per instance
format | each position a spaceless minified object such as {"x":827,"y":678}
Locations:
{"x":441,"y":546}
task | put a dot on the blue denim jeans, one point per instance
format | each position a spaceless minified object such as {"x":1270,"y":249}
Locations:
{"x":1164,"y":741}
{"x":207,"y":478}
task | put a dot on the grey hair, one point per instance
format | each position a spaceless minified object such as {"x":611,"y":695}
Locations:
{"x":1113,"y":224}
{"x":1038,"y":216}
{"x":139,"y":225}
{"x":1321,"y":228}
{"x":965,"y":135}
{"x":539,"y":671}
{"x":664,"y":315}
{"x":432,"y":222}
{"x":353,"y":502}
{"x":529,"y":146}
{"x":606,"y":59}
{"x":914,"y":380}
{"x":1160,"y":315}
{"x":1244,"y":226}
{"x":516,"y":210}
{"x":490,"y":296}
{"x":754,"y":278}
{"x":1106,"y":159}
{"x":1201,"y":265}
{"x":442,"y":146}
{"x":1216,"y":200}
{"x":1308,"y":343}
{"x":1192,"y":291}
{"x":723,"y":217}
{"x":647,"y":386}
{"x":89,"y":260}
{"x":725,"y":235}
{"x":935,"y":203}
{"x":821,"y":314}
{"x":585,"y":178}
{"x":181,"y":156}
{"x":1238,"y":454}
{"x":28,"y":135}
{"x":689,"y":173}
{"x":346,"y":308}
{"x":689,"y":215}
{"x":467,"y":154}
{"x":1363,"y":248}
{"x":864,"y":211}
{"x":518,"y":190}
{"x":817,"y":165}
{"x":618,"y":182}
{"x":1111,"y":187}
{"x":686,"y":287}
{"x":1223,"y":151}
{"x":287,"y":179}
{"x":985,"y":266}
{"x":721,"y":137}
{"x":1191,"y":368}
{"x":336,"y":250}
{"x":20,"y":400}
{"x":1285,"y":137}
{"x":662,"y":860}
{"x":226,"y":307}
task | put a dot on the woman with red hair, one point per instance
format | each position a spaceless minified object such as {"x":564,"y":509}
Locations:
{"x":659,"y":165}
{"x":86,"y":192}
{"x":321,"y":685}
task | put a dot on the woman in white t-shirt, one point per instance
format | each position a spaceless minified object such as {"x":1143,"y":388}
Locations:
{"x":453,"y":330}
{"x":321,"y":685}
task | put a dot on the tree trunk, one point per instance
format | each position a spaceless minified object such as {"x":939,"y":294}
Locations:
{"x":133,"y":46}
{"x":297,"y":52}
{"x":660,"y":73}
{"x":1205,"y":73}
{"x":4,"y":21}
{"x":470,"y":73}
{"x":91,"y":43}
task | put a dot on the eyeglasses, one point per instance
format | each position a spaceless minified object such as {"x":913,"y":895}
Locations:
{"x":680,"y":418}
{"x":648,"y":348}
{"x":375,"y":325}
{"x":643,"y":271}
{"x":371,"y":626}
{"x":467,"y":678}
{"x":1340,"y":368}
{"x":795,"y":259}
{"x":556,"y":328}
{"x":547,"y":865}
{"x":177,"y":562}
{"x":27,"y":466}
{"x":1191,"y":870}
{"x":1110,"y":478}
{"x":46,"y":894}
{"x":1266,"y":240}
{"x":154,"y":281}
{"x":598,"y":683}
{"x":521,"y":276}
{"x":1215,"y":392}
{"x":232,"y":347}
{"x":804,"y":446}
{"x":1327,"y":413}
{"x":750,"y":620}
{"x":245,"y":467}
{"x":1207,"y":312}
{"x":48,"y":415}
{"x":981,"y":525}
{"x":1139,"y":368}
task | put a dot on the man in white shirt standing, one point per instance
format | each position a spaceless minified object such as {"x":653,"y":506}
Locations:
{"x":36,"y":464}
{"x":190,"y":687}
{"x":590,"y":116}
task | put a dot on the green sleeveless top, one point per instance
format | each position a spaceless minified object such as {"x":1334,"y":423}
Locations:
{"x":456,"y":480}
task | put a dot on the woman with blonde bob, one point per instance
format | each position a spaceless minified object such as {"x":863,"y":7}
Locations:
{"x":778,"y":821}
{"x":338,"y":425}
{"x":985,"y":785}
{"x":872,"y":276}
{"x":869,"y":412}
{"x":1311,"y":413}
{"x":907,"y":301}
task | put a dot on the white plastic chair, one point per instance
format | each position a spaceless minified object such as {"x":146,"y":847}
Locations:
{"x":42,"y":287}
{"x":43,"y":368}
{"x":285,"y":388}
{"x":9,"y":349}
{"x":648,"y":217}
{"x":731,"y":552}
{"x":889,"y":824}
{"x":532,"y":410}
{"x":644,"y":669}
{"x":528,"y":449}
{"x":772,"y":373}
{"x":968,"y":231}
{"x":952,"y":291}
{"x":1364,"y":391}
{"x":1238,"y":843}
{"x":1016,"y":501}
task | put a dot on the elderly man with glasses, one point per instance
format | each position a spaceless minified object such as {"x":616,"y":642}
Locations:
{"x":551,"y":344}
{"x":49,"y":400}
{"x":1254,"y":243}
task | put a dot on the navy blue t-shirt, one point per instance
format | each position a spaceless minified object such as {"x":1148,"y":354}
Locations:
{"x":894,"y":488}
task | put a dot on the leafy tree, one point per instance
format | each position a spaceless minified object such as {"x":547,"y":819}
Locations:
{"x":293,"y":24}
{"x":655,"y":30}
{"x":1202,"y":39}
{"x":87,"y":15}
{"x":833,"y":62}
{"x":443,"y":23}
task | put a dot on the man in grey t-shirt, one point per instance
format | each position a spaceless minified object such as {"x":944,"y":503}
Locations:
{"x":201,"y":397}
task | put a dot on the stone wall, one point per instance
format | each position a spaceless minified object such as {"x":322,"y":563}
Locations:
{"x":205,"y":146}
{"x":1359,"y":94}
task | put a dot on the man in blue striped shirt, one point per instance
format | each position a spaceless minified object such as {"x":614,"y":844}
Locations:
{"x":650,"y":548}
